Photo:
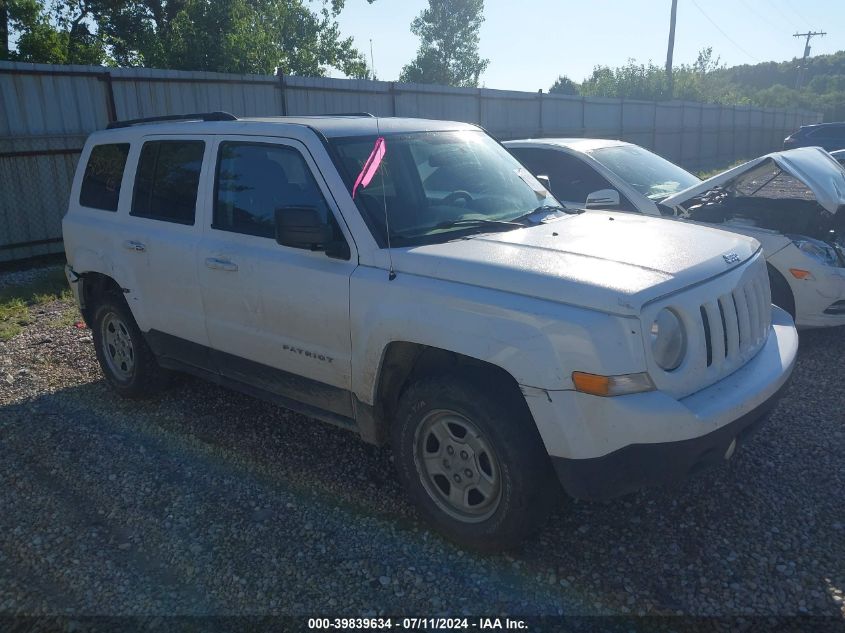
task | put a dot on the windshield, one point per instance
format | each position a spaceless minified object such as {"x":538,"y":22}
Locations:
{"x":653,"y":176}
{"x":438,"y":186}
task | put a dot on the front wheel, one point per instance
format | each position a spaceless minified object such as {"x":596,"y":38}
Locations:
{"x":471,"y":459}
{"x":125,"y":358}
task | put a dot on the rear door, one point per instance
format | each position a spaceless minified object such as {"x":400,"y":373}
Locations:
{"x":277,"y":317}
{"x":161,"y":234}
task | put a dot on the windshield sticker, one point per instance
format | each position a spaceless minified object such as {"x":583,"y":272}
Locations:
{"x":532,"y":182}
{"x":370,"y":166}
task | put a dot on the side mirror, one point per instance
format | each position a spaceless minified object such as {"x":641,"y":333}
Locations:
{"x":666,"y":210}
{"x":302,"y":227}
{"x":544,"y":180}
{"x":602,"y":198}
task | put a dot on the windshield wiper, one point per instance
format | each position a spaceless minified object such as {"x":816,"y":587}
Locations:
{"x":472,"y":222}
{"x":545,"y":208}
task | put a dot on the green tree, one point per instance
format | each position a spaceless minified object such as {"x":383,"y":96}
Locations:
{"x":247,"y":36}
{"x":243,"y":36}
{"x":62,"y":34}
{"x":631,"y":81}
{"x":448,"y":53}
{"x":563,"y":85}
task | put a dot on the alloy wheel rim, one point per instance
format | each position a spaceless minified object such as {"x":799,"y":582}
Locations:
{"x":457,"y":466}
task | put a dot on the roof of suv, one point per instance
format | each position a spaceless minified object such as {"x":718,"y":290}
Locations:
{"x":330,"y":126}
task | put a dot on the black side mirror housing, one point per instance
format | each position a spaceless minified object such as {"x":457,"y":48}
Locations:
{"x":665,"y":209}
{"x":303,"y":227}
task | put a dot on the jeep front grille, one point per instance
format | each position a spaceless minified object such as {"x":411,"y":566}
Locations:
{"x":727,"y":321}
{"x":737,"y":322}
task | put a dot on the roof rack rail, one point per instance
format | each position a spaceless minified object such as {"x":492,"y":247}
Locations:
{"x":366,"y":114}
{"x":200,"y":116}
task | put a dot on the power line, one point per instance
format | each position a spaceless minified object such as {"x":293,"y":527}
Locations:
{"x":726,"y":36}
{"x":785,"y":17}
{"x":795,"y":13}
{"x":763,"y":17}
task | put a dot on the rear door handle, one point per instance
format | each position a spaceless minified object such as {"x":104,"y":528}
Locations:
{"x":216,"y":263}
{"x":134,"y":245}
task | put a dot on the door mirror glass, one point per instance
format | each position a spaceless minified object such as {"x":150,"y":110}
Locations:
{"x":603,"y":198}
{"x":302,"y":227}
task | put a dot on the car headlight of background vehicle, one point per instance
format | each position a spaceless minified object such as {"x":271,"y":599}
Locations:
{"x":822,"y":252}
{"x":668,"y":340}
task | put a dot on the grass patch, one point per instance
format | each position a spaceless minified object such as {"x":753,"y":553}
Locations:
{"x":16,"y":301}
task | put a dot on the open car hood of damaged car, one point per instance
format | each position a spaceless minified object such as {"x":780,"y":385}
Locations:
{"x":774,"y":176}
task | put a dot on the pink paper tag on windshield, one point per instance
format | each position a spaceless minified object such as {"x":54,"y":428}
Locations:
{"x":371,"y":166}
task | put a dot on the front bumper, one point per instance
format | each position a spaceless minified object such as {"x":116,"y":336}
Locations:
{"x":815,"y":297}
{"x":606,"y":447}
{"x":642,"y":465}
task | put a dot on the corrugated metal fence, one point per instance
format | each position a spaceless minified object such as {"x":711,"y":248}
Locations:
{"x":46,"y":112}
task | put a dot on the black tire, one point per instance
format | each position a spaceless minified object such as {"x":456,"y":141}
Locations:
{"x":782,"y":295}
{"x":133,"y":370}
{"x":527,"y":488}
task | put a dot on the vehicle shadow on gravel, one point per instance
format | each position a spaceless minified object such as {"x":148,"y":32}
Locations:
{"x":206,"y":501}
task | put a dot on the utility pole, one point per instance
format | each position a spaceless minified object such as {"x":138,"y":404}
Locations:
{"x":372,"y":63}
{"x":671,"y":48}
{"x":799,"y":80}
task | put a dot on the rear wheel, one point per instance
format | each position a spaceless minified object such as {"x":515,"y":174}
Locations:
{"x":125,"y":358}
{"x":471,"y":459}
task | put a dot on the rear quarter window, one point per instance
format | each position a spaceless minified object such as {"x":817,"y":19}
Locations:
{"x":103,"y":174}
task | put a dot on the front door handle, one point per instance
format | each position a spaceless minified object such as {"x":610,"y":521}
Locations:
{"x":217,"y":263}
{"x":134,"y":245}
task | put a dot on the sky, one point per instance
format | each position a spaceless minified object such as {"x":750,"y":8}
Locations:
{"x":530,"y":42}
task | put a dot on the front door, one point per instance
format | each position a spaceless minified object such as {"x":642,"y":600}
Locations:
{"x":278,"y":316}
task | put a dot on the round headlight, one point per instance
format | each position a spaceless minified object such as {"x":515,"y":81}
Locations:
{"x":668,"y":340}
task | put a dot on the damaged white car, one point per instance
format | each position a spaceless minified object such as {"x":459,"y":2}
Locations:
{"x":792,"y":202}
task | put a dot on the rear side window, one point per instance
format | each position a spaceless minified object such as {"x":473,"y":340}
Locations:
{"x":255,"y":179}
{"x":167,"y":180}
{"x":103,"y":173}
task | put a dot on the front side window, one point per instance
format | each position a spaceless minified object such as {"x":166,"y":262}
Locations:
{"x":167,"y":181}
{"x":103,"y":175}
{"x":255,"y":179}
{"x":435,"y":186}
{"x":652,"y":175}
{"x":570,"y":178}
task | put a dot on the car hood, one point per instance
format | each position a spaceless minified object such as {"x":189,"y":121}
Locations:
{"x":612,"y":262}
{"x":811,"y":165}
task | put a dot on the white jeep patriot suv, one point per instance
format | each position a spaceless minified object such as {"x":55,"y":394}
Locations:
{"x":410,"y":281}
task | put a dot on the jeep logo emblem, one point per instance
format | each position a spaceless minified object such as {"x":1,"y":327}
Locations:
{"x":731,"y":258}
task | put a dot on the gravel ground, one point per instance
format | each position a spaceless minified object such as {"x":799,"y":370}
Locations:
{"x":204,"y":501}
